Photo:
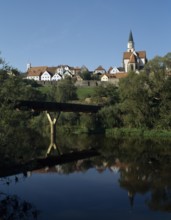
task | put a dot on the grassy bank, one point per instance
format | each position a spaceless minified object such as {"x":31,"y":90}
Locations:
{"x":84,"y":92}
{"x":137,"y":133}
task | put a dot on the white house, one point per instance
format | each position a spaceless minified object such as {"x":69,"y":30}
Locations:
{"x":62,"y":68}
{"x":35,"y":72}
{"x":56,"y":77}
{"x":107,"y":77}
{"x":113,"y":78}
{"x":37,"y":78}
{"x":46,"y":76}
{"x":67,"y":73}
{"x":99,"y":70}
{"x":113,"y":70}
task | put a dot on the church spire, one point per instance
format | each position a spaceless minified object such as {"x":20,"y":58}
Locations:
{"x":130,"y":37}
{"x":130,"y":47}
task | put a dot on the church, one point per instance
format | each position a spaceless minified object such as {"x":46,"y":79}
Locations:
{"x":133,"y":60}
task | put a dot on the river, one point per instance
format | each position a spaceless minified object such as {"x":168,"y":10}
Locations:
{"x":123,"y":179}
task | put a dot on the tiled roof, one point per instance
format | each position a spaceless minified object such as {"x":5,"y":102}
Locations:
{"x":99,"y":68}
{"x":75,"y":68}
{"x":111,"y":68}
{"x":52,"y":70}
{"x":109,"y":75}
{"x":140,"y":54}
{"x":36,"y":71}
{"x":121,"y":75}
{"x":132,"y":58}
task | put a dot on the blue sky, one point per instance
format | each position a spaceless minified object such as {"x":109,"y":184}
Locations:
{"x":81,"y":32}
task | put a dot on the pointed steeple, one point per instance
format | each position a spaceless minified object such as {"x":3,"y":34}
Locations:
{"x":131,"y":37}
{"x":130,"y":46}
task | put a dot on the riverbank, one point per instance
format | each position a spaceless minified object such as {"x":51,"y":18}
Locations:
{"x":137,"y":133}
{"x":119,"y":132}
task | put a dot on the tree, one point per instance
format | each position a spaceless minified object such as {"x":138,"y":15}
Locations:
{"x":137,"y":104}
{"x":64,"y":91}
{"x":85,"y":75}
{"x":12,"y":89}
{"x":145,"y":99}
{"x":106,"y":94}
{"x":110,"y":116}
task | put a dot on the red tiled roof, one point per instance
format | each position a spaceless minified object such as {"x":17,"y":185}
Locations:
{"x":140,"y":54}
{"x":52,"y":70}
{"x":109,"y":75}
{"x":132,"y":58}
{"x":121,"y":75}
{"x":36,"y":71}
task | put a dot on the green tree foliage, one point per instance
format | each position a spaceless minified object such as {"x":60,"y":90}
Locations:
{"x":164,"y":119}
{"x":107,"y":95}
{"x":110,"y":116}
{"x":136,"y":104}
{"x":11,"y":121}
{"x":63,"y":91}
{"x":85,"y":75}
{"x":145,"y":98}
{"x":90,"y":122}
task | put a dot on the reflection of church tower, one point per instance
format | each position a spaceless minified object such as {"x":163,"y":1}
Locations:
{"x":131,"y":198}
{"x":130,"y":47}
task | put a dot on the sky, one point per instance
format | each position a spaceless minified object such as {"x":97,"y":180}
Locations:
{"x":81,"y":32}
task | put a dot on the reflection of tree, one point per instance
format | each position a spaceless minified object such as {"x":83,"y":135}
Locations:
{"x":160,"y":199}
{"x":21,"y":145}
{"x":12,"y":207}
{"x":147,"y":169}
{"x":144,"y":166}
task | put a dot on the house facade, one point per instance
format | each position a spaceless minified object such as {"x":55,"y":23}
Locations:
{"x":46,"y":76}
{"x":113,"y":78}
{"x":113,"y":70}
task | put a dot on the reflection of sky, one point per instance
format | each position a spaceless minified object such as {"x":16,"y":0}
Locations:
{"x":89,"y":195}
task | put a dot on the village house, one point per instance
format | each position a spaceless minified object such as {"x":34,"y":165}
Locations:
{"x":114,"y":70}
{"x":132,"y":61}
{"x":113,"y":78}
{"x":99,"y":70}
{"x":45,"y":73}
{"x":107,"y":77}
{"x":36,"y":72}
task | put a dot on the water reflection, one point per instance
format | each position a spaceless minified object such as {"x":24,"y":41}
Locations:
{"x":142,"y":169}
{"x":12,"y":207}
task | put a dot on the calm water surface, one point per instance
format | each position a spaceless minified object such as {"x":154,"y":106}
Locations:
{"x":126,"y":181}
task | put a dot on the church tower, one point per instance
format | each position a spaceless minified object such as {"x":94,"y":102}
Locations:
{"x":133,"y":60}
{"x":130,"y":46}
